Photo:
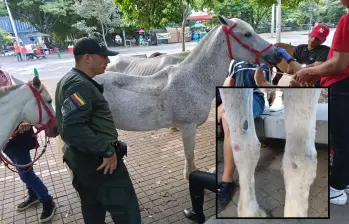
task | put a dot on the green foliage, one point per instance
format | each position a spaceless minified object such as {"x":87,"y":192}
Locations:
{"x":5,"y":38}
{"x":42,"y":14}
{"x":103,"y":13}
{"x":152,"y":13}
{"x":323,"y":11}
{"x":3,"y":10}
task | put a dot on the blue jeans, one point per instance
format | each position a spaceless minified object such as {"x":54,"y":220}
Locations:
{"x":19,"y":56}
{"x":258,"y":105}
{"x":36,"y":188}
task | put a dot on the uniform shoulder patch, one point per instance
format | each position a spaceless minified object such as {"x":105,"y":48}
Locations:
{"x":77,"y":99}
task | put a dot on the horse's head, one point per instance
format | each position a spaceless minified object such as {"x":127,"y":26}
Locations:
{"x":245,"y":44}
{"x":39,"y":109}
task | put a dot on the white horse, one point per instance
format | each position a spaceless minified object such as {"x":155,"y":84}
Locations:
{"x":300,"y":158}
{"x":29,"y":102}
{"x":181,"y":95}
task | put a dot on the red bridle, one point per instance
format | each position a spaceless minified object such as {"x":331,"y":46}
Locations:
{"x":51,"y":123}
{"x":229,"y":31}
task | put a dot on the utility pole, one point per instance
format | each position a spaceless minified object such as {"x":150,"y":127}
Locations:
{"x":14,"y":27}
{"x":278,"y":22}
{"x":272,"y":29}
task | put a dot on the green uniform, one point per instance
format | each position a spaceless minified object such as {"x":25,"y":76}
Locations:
{"x":85,"y":124}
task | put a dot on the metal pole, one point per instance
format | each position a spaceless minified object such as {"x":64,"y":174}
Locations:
{"x":278,"y":22}
{"x":311,"y":18}
{"x":14,"y":28}
{"x":124,"y":36}
{"x":272,"y":29}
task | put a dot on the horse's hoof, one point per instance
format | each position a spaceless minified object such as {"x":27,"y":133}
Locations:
{"x":174,"y":129}
{"x":258,"y":213}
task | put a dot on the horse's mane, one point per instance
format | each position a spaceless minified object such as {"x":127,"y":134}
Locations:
{"x":6,"y":89}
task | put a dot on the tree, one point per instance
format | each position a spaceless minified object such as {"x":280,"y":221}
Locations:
{"x":5,"y":38}
{"x":41,"y":14}
{"x":331,"y":12}
{"x":255,"y":12}
{"x":3,"y":10}
{"x":102,"y":12}
{"x":156,"y":13}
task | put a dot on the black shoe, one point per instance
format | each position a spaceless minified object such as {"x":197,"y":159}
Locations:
{"x":27,"y":203}
{"x":190,"y":214}
{"x":48,"y":211}
{"x":225,"y":194}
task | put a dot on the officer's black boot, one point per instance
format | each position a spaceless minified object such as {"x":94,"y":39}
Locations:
{"x":31,"y":200}
{"x":48,"y":211}
{"x":190,"y":214}
{"x":196,"y":213}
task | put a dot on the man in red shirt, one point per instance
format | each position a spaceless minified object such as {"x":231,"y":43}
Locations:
{"x":17,"y":51}
{"x":335,"y":73}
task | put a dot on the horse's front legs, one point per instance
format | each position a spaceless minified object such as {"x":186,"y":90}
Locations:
{"x":245,"y":145}
{"x":188,"y":135}
{"x":300,"y":158}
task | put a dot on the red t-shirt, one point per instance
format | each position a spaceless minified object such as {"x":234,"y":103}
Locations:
{"x":340,"y":43}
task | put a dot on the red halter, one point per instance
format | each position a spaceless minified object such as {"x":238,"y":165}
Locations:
{"x":40,"y":101}
{"x":228,"y":31}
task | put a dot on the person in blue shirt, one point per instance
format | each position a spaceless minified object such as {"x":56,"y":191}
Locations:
{"x":241,"y":74}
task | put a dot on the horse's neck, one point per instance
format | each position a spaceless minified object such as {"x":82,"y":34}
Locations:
{"x":209,"y":61}
{"x":11,"y":107}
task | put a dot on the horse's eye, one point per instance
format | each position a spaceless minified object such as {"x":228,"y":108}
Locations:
{"x":50,"y":101}
{"x":248,"y":34}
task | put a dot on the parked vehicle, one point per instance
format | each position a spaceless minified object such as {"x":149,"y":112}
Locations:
{"x":7,"y":53}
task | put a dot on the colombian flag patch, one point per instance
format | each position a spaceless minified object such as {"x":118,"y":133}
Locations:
{"x":78,"y":100}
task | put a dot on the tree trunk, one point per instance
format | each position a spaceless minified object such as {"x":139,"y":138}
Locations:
{"x":185,"y":15}
{"x":48,"y":42}
{"x":103,"y":33}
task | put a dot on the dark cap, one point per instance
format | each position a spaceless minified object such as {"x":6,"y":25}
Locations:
{"x":92,"y":45}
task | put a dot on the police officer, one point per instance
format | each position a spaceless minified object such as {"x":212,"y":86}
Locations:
{"x":92,"y":150}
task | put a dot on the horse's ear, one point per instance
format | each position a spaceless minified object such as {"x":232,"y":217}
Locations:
{"x":36,"y":82}
{"x":223,"y":20}
{"x":16,"y":81}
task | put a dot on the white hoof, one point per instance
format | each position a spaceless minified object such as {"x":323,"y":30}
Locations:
{"x":174,"y":129}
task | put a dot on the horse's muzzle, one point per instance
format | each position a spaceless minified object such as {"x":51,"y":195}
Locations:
{"x":274,"y":58}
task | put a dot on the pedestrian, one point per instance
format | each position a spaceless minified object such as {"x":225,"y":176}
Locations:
{"x":18,"y":150}
{"x":24,"y":51}
{"x":92,"y":150}
{"x":334,"y":73}
{"x":17,"y":52}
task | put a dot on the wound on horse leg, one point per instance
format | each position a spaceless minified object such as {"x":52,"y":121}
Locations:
{"x":236,"y":147}
{"x":245,"y":127}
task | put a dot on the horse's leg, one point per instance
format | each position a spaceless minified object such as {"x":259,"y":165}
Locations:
{"x":277,"y":77}
{"x":188,"y":135}
{"x":245,"y":144}
{"x":300,"y":158}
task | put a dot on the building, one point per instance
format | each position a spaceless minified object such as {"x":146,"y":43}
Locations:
{"x":26,"y":32}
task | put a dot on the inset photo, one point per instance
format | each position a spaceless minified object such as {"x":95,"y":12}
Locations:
{"x":272,"y":152}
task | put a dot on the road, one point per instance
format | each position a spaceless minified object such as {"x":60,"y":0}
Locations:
{"x":54,"y":68}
